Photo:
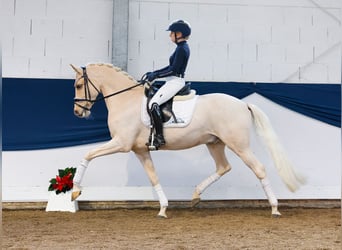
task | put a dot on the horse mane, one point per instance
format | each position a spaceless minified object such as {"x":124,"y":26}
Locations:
{"x":117,"y":69}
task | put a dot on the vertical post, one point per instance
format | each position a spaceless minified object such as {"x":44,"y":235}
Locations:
{"x":120,"y":33}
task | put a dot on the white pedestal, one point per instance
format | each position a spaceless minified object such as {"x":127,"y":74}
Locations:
{"x":61,"y":202}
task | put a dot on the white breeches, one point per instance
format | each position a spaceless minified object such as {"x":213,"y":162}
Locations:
{"x":172,"y":85}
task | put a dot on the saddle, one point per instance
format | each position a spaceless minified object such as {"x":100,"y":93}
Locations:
{"x":166,"y":108}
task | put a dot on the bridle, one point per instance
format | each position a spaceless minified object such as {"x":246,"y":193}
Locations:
{"x":87,"y":96}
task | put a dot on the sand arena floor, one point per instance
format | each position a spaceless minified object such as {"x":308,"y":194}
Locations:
{"x":198,"y":228}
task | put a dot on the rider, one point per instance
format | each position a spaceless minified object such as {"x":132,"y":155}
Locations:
{"x":180,"y":31}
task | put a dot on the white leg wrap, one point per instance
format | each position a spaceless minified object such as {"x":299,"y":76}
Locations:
{"x":162,"y":198}
{"x":80,"y":170}
{"x":207,"y":182}
{"x":269,"y":192}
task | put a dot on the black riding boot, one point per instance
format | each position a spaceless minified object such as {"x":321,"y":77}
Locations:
{"x":156,"y":115}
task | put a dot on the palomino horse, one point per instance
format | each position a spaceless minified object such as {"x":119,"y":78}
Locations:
{"x":218,"y":121}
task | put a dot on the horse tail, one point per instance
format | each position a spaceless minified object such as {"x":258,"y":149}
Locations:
{"x":264,"y":129}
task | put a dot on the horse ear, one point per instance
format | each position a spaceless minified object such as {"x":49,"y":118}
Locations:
{"x":77,"y":70}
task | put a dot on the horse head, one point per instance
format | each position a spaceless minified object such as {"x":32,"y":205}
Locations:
{"x":86,"y":92}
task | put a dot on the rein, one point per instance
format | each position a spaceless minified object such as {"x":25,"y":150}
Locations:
{"x":87,"y":97}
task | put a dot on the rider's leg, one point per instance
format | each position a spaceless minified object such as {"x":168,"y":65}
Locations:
{"x":166,"y":92}
{"x":158,"y":125}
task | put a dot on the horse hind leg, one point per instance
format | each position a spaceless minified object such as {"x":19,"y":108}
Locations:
{"x":216,"y":150}
{"x":259,"y":170}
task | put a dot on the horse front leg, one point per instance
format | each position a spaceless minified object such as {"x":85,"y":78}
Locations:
{"x":111,"y":147}
{"x":146,"y":161}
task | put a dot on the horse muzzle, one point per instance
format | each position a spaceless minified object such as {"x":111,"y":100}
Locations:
{"x":81,"y":111}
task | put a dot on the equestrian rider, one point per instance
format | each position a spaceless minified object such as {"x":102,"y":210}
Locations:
{"x":174,"y":73}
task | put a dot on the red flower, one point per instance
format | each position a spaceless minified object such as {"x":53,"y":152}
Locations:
{"x":64,"y":181}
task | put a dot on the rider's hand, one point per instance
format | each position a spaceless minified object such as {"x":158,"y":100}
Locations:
{"x":151,"y":76}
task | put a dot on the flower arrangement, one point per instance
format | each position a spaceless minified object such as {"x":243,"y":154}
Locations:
{"x":63,"y":181}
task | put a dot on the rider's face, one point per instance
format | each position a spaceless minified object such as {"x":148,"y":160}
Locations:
{"x":173,"y":36}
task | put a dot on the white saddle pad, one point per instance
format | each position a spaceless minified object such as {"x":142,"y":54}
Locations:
{"x":183,"y":110}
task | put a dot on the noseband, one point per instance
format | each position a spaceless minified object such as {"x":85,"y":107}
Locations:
{"x":87,"y":96}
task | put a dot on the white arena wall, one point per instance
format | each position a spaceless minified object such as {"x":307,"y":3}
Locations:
{"x":242,"y":41}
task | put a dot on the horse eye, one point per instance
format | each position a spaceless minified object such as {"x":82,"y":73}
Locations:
{"x":78,"y":86}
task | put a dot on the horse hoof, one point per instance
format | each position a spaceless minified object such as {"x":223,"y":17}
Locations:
{"x":161,"y":216}
{"x":277,"y":215}
{"x":75,"y":194}
{"x":195,"y":202}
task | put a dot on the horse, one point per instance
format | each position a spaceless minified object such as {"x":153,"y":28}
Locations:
{"x":218,"y":121}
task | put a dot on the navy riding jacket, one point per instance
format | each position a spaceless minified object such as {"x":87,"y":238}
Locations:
{"x":177,"y":62}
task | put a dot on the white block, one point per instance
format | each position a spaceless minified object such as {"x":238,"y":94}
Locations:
{"x":155,"y":50}
{"x":28,"y":46}
{"x":285,"y":72}
{"x":227,"y":71}
{"x":154,"y":11}
{"x":246,"y":52}
{"x":334,"y":73}
{"x":134,"y":11}
{"x":24,"y":8}
{"x":16,"y":26}
{"x":94,"y":10}
{"x":217,"y":32}
{"x":235,"y":14}
{"x":257,"y":34}
{"x":230,"y":33}
{"x":142,"y":29}
{"x":161,"y":34}
{"x":328,"y":54}
{"x":133,"y":49}
{"x":7,"y":44}
{"x":61,"y":202}
{"x":334,"y":34}
{"x":327,"y":17}
{"x":297,"y":16}
{"x":85,"y":28}
{"x":299,"y":54}
{"x":256,"y":72}
{"x":45,"y":27}
{"x":313,"y":35}
{"x":66,"y":71}
{"x":285,"y":34}
{"x":7,"y":8}
{"x":214,"y":13}
{"x":87,"y":47}
{"x":199,"y":70}
{"x":270,"y":53}
{"x":177,"y":11}
{"x":11,"y":64}
{"x":314,"y":73}
{"x":255,"y":15}
{"x":45,"y":67}
{"x":216,"y":51}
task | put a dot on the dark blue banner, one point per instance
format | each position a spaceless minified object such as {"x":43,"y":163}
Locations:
{"x":38,"y":113}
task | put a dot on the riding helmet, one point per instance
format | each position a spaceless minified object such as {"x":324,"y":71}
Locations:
{"x":180,"y":26}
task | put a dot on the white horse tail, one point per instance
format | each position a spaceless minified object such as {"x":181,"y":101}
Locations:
{"x":264,"y":129}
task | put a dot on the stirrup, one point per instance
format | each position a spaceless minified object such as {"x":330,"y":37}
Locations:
{"x":155,"y":142}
